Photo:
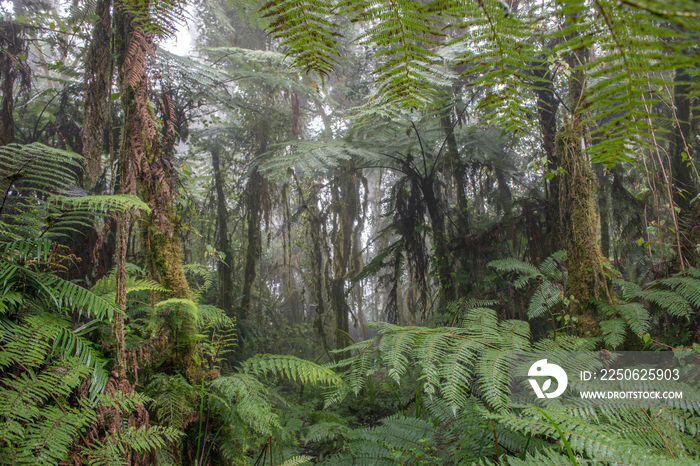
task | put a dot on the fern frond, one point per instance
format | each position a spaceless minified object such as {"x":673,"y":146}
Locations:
{"x":44,"y":168}
{"x":407,"y":34}
{"x":116,"y":202}
{"x":291,"y":367}
{"x":249,"y":399}
{"x":493,"y":45}
{"x":173,"y":399}
{"x":297,"y":461}
{"x":306,"y":32}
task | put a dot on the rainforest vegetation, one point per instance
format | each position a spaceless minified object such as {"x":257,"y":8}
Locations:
{"x":315,"y":236}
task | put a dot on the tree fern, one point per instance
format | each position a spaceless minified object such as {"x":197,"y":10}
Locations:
{"x":94,"y":204}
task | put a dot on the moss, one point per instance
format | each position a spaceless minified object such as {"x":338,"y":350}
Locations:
{"x":586,"y":279}
{"x":165,"y":259}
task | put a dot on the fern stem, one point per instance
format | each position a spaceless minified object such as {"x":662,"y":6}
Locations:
{"x":211,"y":444}
{"x":495,"y":440}
{"x":204,"y":444}
{"x":653,"y":426}
{"x":554,"y":325}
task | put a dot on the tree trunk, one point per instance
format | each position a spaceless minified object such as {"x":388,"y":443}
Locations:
{"x":458,"y":175}
{"x":346,"y":205}
{"x":11,"y":45}
{"x":603,"y":208}
{"x":98,"y":74}
{"x":254,"y":249}
{"x":586,"y":279}
{"x":547,"y":106}
{"x":683,"y":175}
{"x":315,"y":230}
{"x":442,"y":252}
{"x":225,"y":298}
{"x":141,"y":157}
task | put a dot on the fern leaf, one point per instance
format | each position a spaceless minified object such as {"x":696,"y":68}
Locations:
{"x":306,"y":32}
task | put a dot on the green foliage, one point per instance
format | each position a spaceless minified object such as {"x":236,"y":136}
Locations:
{"x":464,"y":369}
{"x":397,"y":440}
{"x":50,"y":291}
{"x":406,"y":33}
{"x":38,"y":424}
{"x":492,"y":46}
{"x":306,"y":32}
{"x":291,"y":367}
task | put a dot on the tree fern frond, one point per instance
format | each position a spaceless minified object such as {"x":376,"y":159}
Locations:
{"x":492,"y":372}
{"x":306,"y":32}
{"x":44,"y":168}
{"x":493,"y":45}
{"x":526,"y":270}
{"x":407,"y":33}
{"x":73,"y":345}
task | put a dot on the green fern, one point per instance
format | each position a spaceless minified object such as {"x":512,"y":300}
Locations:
{"x":305,"y":372}
{"x":306,"y":32}
{"x":493,"y":45}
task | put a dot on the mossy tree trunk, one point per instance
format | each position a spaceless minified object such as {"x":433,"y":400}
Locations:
{"x":98,"y":77}
{"x":604,"y":184}
{"x":142,"y":162}
{"x":295,"y":313}
{"x":458,"y":175}
{"x":225,"y":276}
{"x":254,"y":194}
{"x":586,"y":276}
{"x":315,"y":230}
{"x":441,"y":248}
{"x":345,"y":207}
{"x":547,"y":106}
{"x":12,"y":67}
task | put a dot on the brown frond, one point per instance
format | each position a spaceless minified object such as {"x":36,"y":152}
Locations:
{"x":169,"y":117}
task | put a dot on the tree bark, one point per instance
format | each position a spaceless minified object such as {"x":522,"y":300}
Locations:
{"x":98,"y":74}
{"x":683,"y":180}
{"x":345,"y":206}
{"x":225,"y":298}
{"x":11,"y":45}
{"x":547,"y":106}
{"x":254,"y":249}
{"x":442,"y":252}
{"x":586,"y":278}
